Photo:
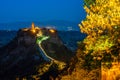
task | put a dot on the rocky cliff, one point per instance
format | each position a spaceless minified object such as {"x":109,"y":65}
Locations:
{"x":31,"y":48}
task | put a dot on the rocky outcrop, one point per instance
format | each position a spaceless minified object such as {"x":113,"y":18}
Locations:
{"x":22,"y":55}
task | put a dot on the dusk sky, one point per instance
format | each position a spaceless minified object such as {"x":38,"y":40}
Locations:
{"x":41,"y":10}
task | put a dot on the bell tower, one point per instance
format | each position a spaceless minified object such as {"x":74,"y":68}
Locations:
{"x":33,"y":28}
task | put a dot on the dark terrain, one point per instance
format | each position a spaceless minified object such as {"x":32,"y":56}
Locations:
{"x":20,"y":55}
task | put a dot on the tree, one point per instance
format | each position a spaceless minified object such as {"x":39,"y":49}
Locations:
{"x":102,"y":26}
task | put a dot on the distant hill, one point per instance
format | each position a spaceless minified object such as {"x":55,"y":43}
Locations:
{"x":57,"y":24}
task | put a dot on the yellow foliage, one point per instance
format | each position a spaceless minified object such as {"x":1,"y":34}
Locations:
{"x":111,"y":74}
{"x":82,"y":74}
{"x":102,"y":25}
{"x":104,"y":14}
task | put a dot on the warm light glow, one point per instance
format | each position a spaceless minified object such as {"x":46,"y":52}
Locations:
{"x":25,"y":29}
{"x":52,"y":31}
{"x":33,"y":28}
{"x":39,"y":33}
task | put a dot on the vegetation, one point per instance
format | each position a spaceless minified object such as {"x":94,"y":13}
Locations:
{"x":102,"y":26}
{"x":102,"y":44}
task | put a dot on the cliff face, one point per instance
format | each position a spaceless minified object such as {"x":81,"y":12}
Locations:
{"x":22,"y":55}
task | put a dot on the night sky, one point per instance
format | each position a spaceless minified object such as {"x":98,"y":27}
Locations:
{"x":41,"y":10}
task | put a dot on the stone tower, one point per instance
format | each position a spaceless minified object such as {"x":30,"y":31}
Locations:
{"x":33,"y":26}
